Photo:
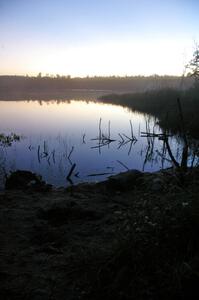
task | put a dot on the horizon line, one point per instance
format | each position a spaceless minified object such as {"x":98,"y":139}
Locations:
{"x":68,"y":76}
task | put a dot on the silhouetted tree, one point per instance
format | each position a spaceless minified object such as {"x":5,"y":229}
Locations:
{"x":193,"y":65}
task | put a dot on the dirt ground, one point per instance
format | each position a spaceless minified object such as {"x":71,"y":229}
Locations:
{"x":131,"y":237}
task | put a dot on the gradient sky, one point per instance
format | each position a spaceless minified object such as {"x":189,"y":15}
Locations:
{"x":88,"y":37}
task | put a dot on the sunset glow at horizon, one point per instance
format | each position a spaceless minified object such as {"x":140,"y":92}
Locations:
{"x":83,"y":38}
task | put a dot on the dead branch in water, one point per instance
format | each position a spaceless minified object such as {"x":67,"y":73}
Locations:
{"x":83,"y":138}
{"x":186,"y":147}
{"x":126,"y":139}
{"x":109,"y":129}
{"x":45,"y":152}
{"x":103,"y":139}
{"x":152,"y":134}
{"x":165,"y":138}
{"x":176,"y":164}
{"x":71,"y":151}
{"x":121,"y":137}
{"x":131,"y":129}
{"x":100,"y":131}
{"x":53,"y":155}
{"x":99,"y":174}
{"x":48,"y":160}
{"x":38,"y":154}
{"x":121,"y":163}
{"x":70,"y":172}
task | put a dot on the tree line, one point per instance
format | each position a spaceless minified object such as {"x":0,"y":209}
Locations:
{"x":113,"y":83}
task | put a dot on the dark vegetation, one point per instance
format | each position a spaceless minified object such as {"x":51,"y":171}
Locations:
{"x":21,"y":87}
{"x":162,"y":104}
{"x":7,"y":140}
{"x":132,"y":237}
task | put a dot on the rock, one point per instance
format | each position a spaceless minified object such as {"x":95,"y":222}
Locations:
{"x":124,"y":181}
{"x":22,"y":180}
{"x":32,"y":183}
{"x":156,"y":185}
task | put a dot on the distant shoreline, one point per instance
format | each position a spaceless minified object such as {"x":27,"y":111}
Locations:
{"x":66,"y":94}
{"x":21,"y":87}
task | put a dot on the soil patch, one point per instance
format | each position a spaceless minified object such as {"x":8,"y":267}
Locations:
{"x":119,"y":239}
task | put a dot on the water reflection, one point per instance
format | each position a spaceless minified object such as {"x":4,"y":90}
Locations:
{"x":77,"y":141}
{"x":7,"y":140}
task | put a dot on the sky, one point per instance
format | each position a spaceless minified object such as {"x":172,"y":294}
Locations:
{"x":102,"y":38}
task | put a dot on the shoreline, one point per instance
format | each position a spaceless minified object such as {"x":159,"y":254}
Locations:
{"x":125,"y":237}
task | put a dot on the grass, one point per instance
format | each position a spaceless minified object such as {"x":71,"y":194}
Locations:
{"x":162,"y":104}
{"x":159,"y":258}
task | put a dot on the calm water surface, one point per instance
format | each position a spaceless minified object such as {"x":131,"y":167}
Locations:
{"x":56,"y":135}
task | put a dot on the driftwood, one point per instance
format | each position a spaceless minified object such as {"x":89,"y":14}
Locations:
{"x":99,"y":174}
{"x":158,"y":135}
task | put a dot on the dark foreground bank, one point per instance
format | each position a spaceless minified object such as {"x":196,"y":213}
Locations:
{"x":134,"y":236}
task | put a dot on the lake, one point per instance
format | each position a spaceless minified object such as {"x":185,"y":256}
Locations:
{"x":58,"y":135}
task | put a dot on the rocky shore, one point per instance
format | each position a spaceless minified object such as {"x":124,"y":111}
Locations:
{"x":134,"y":236}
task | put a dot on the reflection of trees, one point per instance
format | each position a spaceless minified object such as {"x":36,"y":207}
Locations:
{"x":186,"y":155}
{"x":2,"y":166}
{"x":55,"y":101}
{"x":7,"y":140}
